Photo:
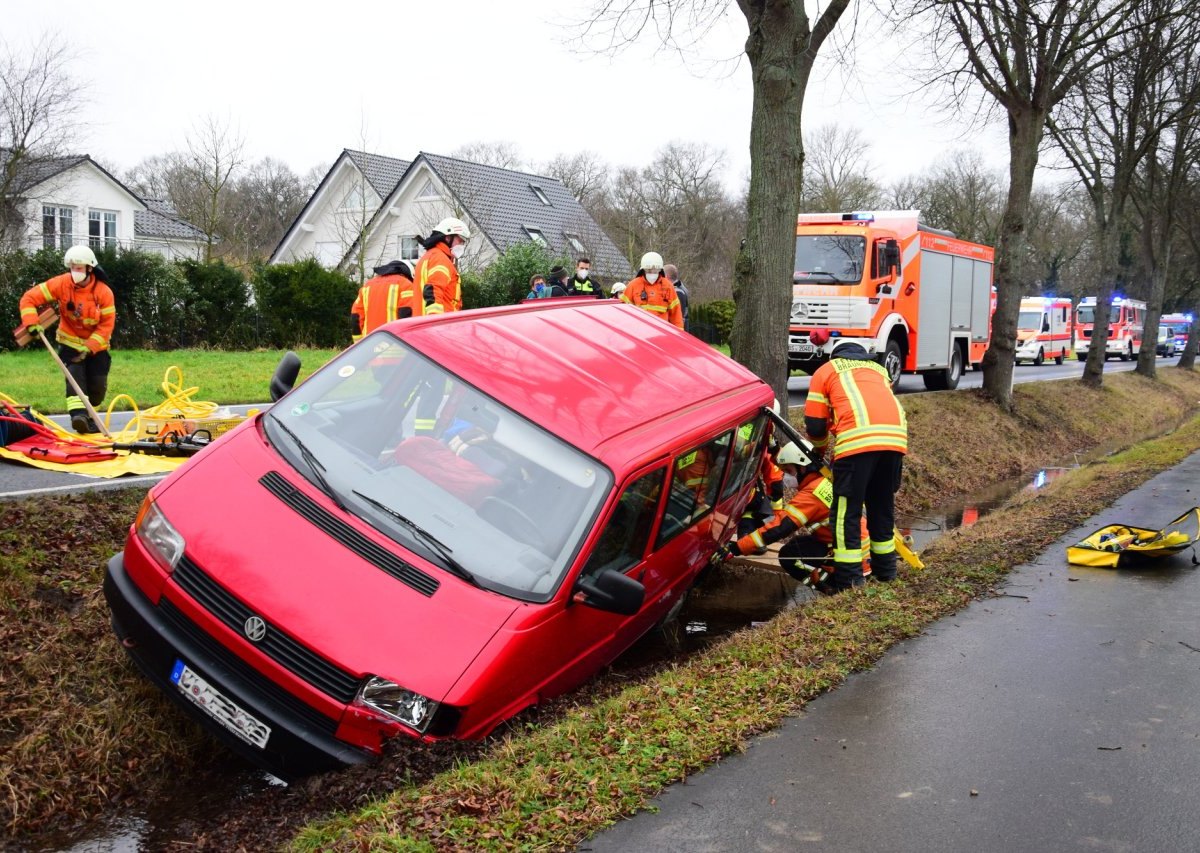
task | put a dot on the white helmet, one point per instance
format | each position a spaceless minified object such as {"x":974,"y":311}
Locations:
{"x":652,"y":261}
{"x":450,"y":225}
{"x":78,"y":256}
{"x":791,"y":454}
{"x":618,"y":288}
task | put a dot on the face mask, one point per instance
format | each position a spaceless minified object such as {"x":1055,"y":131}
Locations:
{"x":790,"y":481}
{"x":581,"y":275}
{"x":458,"y":250}
{"x":540,"y":286}
{"x":652,"y":277}
{"x":77,"y":276}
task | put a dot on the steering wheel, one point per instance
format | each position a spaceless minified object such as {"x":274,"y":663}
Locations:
{"x":514,"y":521}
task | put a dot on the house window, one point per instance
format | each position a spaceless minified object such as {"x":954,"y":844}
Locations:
{"x":410,"y":249}
{"x":102,"y":229}
{"x":58,"y":229}
{"x":541,"y":196}
{"x":536,"y":235}
{"x":428,"y":193}
{"x":576,"y":244}
{"x":354,"y":199}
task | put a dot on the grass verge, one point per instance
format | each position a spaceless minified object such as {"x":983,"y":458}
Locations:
{"x":226,"y":377}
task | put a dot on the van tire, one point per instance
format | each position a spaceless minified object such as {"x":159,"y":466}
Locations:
{"x":1059,"y":359}
{"x":893,"y":361}
{"x":947,"y":379}
{"x":1041,"y":358}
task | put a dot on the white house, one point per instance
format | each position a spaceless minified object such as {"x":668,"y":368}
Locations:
{"x":370,"y":209}
{"x":64,"y":201}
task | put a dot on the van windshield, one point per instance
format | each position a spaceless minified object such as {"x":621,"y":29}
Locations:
{"x":1087,"y":314}
{"x":829,"y":259}
{"x":1029,"y":320}
{"x":441,"y":468}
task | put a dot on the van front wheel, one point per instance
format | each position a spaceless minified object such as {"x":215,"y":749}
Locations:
{"x":1041,"y":358}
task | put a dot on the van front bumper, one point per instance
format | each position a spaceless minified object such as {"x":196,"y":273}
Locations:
{"x":156,"y":636}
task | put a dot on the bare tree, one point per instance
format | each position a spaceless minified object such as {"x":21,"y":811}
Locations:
{"x":837,"y":173}
{"x":214,"y":155}
{"x":37,"y":97}
{"x":1025,"y":55}
{"x":782,"y":47}
{"x":261,"y":205}
{"x":584,"y":174}
{"x":501,"y":154}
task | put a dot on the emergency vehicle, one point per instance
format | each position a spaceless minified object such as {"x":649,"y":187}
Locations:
{"x":1044,"y":329}
{"x":1125,"y":320}
{"x":329,"y":575}
{"x":916,"y":297}
{"x":1181,"y":325}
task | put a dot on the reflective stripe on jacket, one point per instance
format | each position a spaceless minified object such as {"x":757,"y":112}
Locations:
{"x":385,"y":298}
{"x":87,"y":313}
{"x":808,"y":509}
{"x":659,"y":298}
{"x":437,"y":277}
{"x":855,"y":398}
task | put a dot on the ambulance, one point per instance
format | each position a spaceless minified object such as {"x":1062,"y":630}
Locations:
{"x":1124,"y":327}
{"x":1044,"y":329}
{"x":919,"y":299}
{"x":1180,"y":325}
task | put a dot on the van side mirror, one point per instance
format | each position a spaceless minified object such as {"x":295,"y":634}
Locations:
{"x":612,"y":591}
{"x":285,"y":375}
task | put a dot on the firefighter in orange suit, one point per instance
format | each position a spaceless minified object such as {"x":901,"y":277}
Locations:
{"x":807,"y":511}
{"x":651,"y":291}
{"x":88,"y":315}
{"x":850,"y":402}
{"x":437,"y":270}
{"x":390,"y":295}
{"x":436,"y":276}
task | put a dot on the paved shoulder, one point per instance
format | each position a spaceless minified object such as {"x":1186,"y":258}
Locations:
{"x":1071,"y":712}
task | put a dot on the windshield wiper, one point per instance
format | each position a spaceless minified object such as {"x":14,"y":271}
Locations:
{"x":443,"y":550}
{"x":802,"y":275}
{"x":313,"y":463}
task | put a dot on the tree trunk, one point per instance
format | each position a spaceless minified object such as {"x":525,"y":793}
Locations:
{"x":1025,"y":129}
{"x":1093,"y":370}
{"x":1187,"y":361}
{"x":764,"y":266}
{"x":1148,"y":355}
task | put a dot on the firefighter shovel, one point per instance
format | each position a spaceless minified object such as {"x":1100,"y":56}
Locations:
{"x":75,"y":387}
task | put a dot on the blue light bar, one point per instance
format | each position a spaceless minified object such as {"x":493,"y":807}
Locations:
{"x":859,"y":217}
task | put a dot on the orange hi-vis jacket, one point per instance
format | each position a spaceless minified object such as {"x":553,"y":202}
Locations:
{"x":87,"y":313}
{"x":659,"y":298}
{"x":855,"y":399}
{"x":385,"y":298}
{"x":808,"y":509}
{"x":437,"y":277}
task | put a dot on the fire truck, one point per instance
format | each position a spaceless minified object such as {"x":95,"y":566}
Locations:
{"x":1124,"y":327}
{"x":917,"y":298}
{"x":1180,"y":325}
{"x":1044,"y":329}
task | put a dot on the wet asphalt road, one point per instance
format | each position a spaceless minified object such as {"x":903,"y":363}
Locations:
{"x":1073,"y":711}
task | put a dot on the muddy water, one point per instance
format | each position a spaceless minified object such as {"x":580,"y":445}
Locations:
{"x":733,"y":597}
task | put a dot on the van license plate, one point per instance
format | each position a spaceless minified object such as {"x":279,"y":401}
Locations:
{"x":801,"y":348}
{"x":216,"y":705}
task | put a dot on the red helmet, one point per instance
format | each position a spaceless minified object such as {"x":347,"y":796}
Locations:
{"x":818,"y":337}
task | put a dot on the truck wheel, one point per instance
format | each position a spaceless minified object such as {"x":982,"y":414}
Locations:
{"x":946,"y":380}
{"x":893,"y":361}
{"x":1059,"y":359}
{"x":1125,"y":354}
{"x":1041,"y":358}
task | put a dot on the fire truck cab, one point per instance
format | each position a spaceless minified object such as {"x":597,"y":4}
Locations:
{"x":917,"y":298}
{"x":1124,"y":327}
{"x":1044,"y":329}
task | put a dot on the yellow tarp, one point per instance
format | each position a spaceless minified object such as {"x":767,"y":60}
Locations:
{"x":1118,"y":545}
{"x":123,"y":464}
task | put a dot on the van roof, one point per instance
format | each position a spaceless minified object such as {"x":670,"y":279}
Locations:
{"x":588,"y":370}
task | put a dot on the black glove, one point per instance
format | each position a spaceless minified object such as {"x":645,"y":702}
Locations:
{"x":730,"y":549}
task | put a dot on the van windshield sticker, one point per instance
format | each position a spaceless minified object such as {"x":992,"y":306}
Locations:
{"x":346,"y":371}
{"x":300,"y":410}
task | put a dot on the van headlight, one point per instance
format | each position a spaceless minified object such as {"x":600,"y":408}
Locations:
{"x":160,"y":538}
{"x":400,"y":704}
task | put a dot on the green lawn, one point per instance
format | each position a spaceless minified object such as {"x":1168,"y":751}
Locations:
{"x":31,"y":377}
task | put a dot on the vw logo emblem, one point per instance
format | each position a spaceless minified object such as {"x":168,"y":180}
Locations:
{"x":255,"y":629}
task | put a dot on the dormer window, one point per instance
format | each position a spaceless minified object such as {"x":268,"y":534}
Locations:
{"x":576,"y":244}
{"x":536,"y":235}
{"x":541,"y":196}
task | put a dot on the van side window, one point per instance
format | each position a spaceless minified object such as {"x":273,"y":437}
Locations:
{"x":747,"y":451}
{"x":622,"y":543}
{"x":694,"y":484}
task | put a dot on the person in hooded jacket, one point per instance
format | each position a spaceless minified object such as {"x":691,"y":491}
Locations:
{"x":437,"y":270}
{"x":88,"y":315}
{"x":651,"y":292}
{"x":390,"y":295}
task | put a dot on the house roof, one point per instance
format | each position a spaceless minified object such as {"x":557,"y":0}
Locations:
{"x":160,"y":219}
{"x":38,"y":170}
{"x":505,"y":203}
{"x":382,"y":173}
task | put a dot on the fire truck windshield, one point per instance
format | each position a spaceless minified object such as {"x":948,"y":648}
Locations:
{"x":829,"y":258}
{"x":1086,"y":314}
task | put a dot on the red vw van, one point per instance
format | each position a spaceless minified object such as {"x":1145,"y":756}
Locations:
{"x":456,"y":517}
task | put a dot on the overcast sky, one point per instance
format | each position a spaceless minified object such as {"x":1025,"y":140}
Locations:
{"x":303,"y":80}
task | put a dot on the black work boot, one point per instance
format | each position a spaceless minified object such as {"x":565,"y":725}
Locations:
{"x":883,"y":567}
{"x":80,"y":421}
{"x":844,"y":576}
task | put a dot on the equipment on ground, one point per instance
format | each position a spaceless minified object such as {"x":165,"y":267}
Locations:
{"x":1118,"y":546}
{"x":170,"y":444}
{"x":21,"y":432}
